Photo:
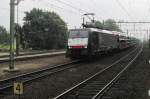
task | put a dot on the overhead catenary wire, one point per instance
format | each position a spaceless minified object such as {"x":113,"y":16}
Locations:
{"x":73,"y":7}
{"x":81,"y":12}
{"x":148,"y":9}
{"x":98,"y":12}
{"x":95,"y":4}
{"x":124,"y":9}
{"x":61,"y":8}
{"x":76,"y":8}
{"x":50,"y":6}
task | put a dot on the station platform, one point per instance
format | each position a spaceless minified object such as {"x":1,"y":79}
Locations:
{"x":29,"y":52}
{"x":23,"y":57}
{"x":29,"y":65}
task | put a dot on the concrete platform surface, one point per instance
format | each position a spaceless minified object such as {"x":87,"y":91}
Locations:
{"x":34,"y":56}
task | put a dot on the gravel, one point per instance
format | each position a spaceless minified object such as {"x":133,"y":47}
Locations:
{"x":136,"y":82}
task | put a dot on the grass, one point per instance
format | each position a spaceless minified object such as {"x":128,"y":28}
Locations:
{"x":4,"y":47}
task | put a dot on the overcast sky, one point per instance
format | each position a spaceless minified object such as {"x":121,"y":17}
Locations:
{"x":72,"y":10}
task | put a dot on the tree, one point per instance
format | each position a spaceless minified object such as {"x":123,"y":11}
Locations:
{"x":99,"y":25}
{"x":44,"y":30}
{"x":111,"y":25}
{"x":4,"y":36}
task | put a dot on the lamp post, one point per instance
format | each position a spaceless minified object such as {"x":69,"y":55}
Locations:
{"x":13,"y":3}
{"x":12,"y":26}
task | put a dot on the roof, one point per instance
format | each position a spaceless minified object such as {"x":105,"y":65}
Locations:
{"x":94,"y":30}
{"x":102,"y":31}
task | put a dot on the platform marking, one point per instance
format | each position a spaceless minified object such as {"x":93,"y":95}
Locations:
{"x":148,"y":92}
{"x":18,"y":88}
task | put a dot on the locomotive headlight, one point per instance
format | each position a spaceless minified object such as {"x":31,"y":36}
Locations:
{"x":85,"y":46}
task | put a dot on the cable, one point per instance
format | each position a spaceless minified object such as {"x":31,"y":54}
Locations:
{"x":72,"y":6}
{"x":148,"y":4}
{"x":48,"y":4}
{"x":78,"y":9}
{"x":124,"y":9}
{"x":61,"y":8}
{"x":95,"y":4}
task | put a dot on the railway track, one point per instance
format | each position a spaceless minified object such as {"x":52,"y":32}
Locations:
{"x":6,"y":84}
{"x":95,"y":86}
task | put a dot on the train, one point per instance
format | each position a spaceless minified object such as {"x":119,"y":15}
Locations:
{"x":88,"y":42}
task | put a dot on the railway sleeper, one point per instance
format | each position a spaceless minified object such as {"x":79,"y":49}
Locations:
{"x":117,"y":85}
{"x":114,"y":93}
{"x":106,"y":97}
{"x":122,"y":79}
{"x":92,"y":93}
{"x":88,"y":91}
{"x":125,"y":61}
{"x":97,"y":83}
{"x":115,"y":69}
{"x":5,"y":93}
{"x":117,"y":89}
{"x":4,"y":84}
{"x":92,"y":88}
{"x":79,"y":97}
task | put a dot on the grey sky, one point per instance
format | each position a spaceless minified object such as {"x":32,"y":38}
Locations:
{"x":136,"y":10}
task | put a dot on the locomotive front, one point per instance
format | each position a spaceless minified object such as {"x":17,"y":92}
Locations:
{"x":77,"y":43}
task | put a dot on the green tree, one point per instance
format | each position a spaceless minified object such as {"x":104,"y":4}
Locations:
{"x":4,"y":36}
{"x":99,"y":25}
{"x":44,"y":30}
{"x":111,"y":25}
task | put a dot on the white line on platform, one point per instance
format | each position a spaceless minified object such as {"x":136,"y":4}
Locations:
{"x":148,"y":92}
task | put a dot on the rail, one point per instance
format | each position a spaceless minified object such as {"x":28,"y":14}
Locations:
{"x":76,"y":90}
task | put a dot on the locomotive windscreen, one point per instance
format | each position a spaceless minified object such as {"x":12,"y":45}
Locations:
{"x":78,"y":34}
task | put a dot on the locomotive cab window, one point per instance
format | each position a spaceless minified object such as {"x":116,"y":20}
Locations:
{"x":78,"y":34}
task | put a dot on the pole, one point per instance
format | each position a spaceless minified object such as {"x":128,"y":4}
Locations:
{"x":17,"y":33}
{"x":127,"y":33}
{"x":147,"y":39}
{"x":134,"y":27}
{"x":83,"y":22}
{"x":93,"y":18}
{"x":103,"y":24}
{"x":12,"y":16}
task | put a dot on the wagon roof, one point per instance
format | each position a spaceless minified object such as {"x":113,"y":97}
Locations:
{"x":93,"y":30}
